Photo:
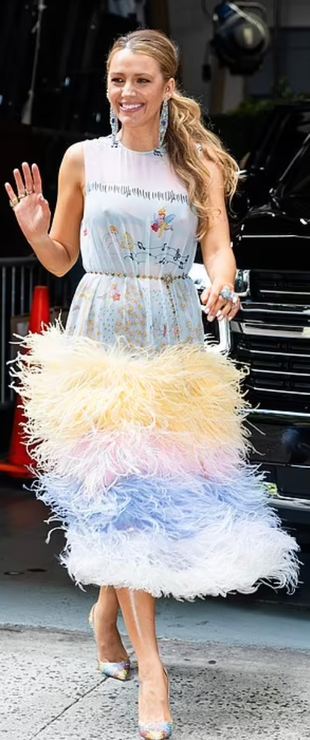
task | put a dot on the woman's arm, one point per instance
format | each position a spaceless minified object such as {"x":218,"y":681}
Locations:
{"x":65,"y":229}
{"x":57,"y":248}
{"x":218,"y":256}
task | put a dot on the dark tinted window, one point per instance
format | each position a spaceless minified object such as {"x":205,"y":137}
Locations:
{"x":295,"y":187}
{"x":297,"y":179}
{"x":283,"y":136}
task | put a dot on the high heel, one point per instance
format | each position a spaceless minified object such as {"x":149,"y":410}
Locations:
{"x":157,"y":730}
{"x":121,"y":670}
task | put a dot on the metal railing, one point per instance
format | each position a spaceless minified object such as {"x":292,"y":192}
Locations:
{"x":18,"y":277}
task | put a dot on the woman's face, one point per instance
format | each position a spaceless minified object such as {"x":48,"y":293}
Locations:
{"x":136,"y":88}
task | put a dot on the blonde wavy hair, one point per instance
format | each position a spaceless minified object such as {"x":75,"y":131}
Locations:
{"x":186,"y":137}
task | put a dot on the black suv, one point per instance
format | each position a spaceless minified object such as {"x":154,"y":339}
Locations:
{"x":271,"y":333}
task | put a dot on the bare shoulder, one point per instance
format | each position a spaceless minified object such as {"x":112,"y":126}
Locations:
{"x":215,"y":170}
{"x":74,"y":155}
{"x":214,"y":166}
{"x":72,"y":165}
{"x":210,"y":161}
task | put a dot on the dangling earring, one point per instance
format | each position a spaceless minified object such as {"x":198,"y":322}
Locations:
{"x":114,"y":125}
{"x":163,"y":124}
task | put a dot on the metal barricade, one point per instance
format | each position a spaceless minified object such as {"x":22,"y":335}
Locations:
{"x":18,"y":277}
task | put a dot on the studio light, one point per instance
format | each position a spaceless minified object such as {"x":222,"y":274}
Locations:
{"x":240,"y":36}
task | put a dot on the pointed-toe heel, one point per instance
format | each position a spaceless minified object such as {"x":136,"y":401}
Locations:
{"x":121,"y":670}
{"x":157,"y":730}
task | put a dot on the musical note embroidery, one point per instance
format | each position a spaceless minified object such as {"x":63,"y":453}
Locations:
{"x":138,"y":253}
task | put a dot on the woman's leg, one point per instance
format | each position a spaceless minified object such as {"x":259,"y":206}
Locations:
{"x":110,"y":646}
{"x":138,"y":609}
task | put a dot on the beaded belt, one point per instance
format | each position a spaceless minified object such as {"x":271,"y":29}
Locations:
{"x":166,"y":278}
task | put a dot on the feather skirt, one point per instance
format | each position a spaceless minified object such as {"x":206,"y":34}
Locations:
{"x":142,"y":458}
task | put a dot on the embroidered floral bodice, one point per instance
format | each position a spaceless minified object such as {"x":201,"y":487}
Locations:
{"x":138,"y":242}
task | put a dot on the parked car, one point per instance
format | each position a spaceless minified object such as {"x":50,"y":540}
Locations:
{"x":271,"y":333}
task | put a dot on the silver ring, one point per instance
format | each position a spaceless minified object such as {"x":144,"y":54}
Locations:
{"x":230,"y":295}
{"x":235,"y":300}
{"x":29,"y":192}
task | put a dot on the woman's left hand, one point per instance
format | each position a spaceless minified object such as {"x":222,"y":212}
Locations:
{"x":220,"y":301}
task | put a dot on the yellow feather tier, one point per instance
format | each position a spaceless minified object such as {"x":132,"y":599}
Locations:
{"x":72,"y":385}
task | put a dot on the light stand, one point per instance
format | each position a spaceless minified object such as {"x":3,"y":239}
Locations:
{"x":276,"y":45}
{"x":26,"y":116}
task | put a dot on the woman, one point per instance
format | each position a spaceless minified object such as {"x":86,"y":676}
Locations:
{"x":137,"y":428}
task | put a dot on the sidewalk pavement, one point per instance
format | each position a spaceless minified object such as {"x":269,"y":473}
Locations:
{"x":51,"y":690}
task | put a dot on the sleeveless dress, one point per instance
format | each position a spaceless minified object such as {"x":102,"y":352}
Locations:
{"x":136,"y":425}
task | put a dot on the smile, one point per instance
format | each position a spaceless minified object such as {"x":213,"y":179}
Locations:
{"x":131,"y":106}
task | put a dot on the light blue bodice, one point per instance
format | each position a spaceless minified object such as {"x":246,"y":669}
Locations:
{"x":138,"y":242}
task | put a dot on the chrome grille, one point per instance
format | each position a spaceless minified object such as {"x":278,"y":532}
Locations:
{"x":271,"y":336}
{"x":280,"y":287}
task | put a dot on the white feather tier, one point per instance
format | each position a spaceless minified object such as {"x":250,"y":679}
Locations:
{"x":239,"y":556}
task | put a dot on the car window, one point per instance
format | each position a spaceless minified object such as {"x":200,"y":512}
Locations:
{"x":291,"y":137}
{"x":297,"y":178}
{"x":284,"y":134}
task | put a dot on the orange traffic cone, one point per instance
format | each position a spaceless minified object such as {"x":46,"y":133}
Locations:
{"x":18,"y":461}
{"x":40,"y":310}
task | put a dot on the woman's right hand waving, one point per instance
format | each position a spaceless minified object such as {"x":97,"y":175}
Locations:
{"x":31,"y":209}
{"x":56,"y":245}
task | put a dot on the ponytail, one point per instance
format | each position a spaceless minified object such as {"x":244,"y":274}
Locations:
{"x":189,"y":146}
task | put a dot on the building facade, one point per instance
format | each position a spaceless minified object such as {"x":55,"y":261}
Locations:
{"x":192,"y":30}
